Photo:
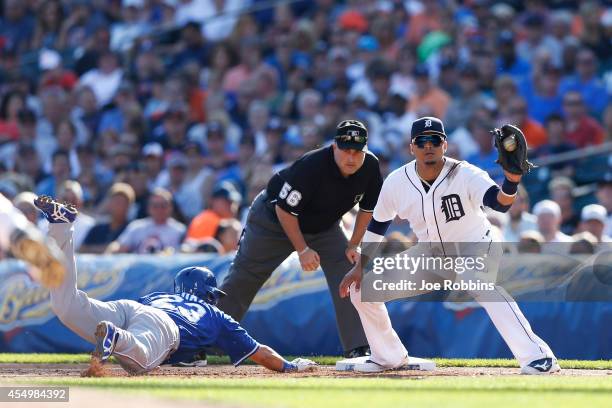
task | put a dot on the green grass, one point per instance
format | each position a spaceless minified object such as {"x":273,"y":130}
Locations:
{"x":325,"y":360}
{"x":370,"y":392}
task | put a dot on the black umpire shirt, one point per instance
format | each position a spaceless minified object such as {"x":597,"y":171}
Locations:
{"x":314,"y":190}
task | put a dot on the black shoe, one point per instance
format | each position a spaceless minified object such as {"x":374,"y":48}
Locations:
{"x":358,"y":352}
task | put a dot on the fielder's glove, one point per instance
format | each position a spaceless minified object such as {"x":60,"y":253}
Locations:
{"x":513,"y":161}
{"x":303,"y":364}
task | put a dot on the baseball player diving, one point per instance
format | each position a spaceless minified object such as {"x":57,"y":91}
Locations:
{"x":443,"y":201}
{"x":159,"y":327}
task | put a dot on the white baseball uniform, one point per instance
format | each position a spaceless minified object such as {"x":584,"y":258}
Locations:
{"x":10,"y":219}
{"x":450,"y":211}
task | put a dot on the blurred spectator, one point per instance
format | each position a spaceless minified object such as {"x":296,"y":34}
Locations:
{"x":487,"y":154}
{"x":509,"y":62}
{"x":28,"y":163}
{"x":561,"y":190}
{"x":469,"y":99}
{"x":582,"y":130}
{"x":556,"y":143}
{"x":228,"y":234}
{"x":505,"y":91}
{"x":52,"y":71}
{"x":428,"y":98}
{"x":10,"y":106}
{"x":25,"y":203}
{"x":587,"y":84}
{"x":548,"y":215}
{"x":607,"y":122}
{"x":530,"y":242}
{"x":104,"y":80}
{"x":156,"y":233}
{"x":534,"y":132}
{"x":593,"y":219}
{"x":541,"y":92}
{"x":584,"y":243}
{"x":130,"y":27}
{"x":16,"y":26}
{"x":224,"y":204}
{"x":520,"y":218}
{"x":60,"y":172}
{"x":604,"y":197}
{"x":535,"y":40}
{"x":50,"y":15}
{"x":191,"y":48}
{"x":116,"y":206}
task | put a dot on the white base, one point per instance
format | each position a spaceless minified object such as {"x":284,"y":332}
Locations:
{"x":414,"y":363}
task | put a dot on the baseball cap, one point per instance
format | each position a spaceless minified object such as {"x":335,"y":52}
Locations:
{"x":177,"y":159}
{"x":351,"y":134}
{"x":228,"y":191}
{"x":153,"y":149}
{"x":123,"y":189}
{"x":353,"y":20}
{"x":427,"y":125}
{"x":594,"y":212}
{"x":547,"y":207}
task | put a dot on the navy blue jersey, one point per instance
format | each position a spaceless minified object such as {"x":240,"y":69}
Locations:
{"x":201,"y":325}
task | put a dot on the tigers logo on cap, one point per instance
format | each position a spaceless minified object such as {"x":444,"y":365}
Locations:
{"x":427,"y":125}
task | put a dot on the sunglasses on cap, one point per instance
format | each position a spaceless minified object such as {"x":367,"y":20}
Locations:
{"x":352,"y":138}
{"x":421,"y":141}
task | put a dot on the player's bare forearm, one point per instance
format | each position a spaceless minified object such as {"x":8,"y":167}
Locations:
{"x":361,"y":224}
{"x":267,"y":357}
{"x":291,"y":227}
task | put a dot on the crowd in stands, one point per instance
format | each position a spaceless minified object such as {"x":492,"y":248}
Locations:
{"x":161,"y":120}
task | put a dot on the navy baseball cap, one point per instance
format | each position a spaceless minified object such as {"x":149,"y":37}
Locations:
{"x":351,"y":134}
{"x":427,"y":126}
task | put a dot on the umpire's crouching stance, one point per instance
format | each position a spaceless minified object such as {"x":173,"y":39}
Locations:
{"x":300,"y":211}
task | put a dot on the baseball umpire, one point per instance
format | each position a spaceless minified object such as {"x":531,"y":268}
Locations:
{"x":300,"y":210}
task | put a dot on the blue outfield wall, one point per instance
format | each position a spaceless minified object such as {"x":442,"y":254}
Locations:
{"x":293,"y":312}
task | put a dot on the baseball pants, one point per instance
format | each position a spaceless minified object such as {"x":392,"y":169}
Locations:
{"x":147,"y":336}
{"x":264,"y":246}
{"x":387,"y":349}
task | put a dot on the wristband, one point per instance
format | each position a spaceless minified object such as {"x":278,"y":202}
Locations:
{"x":289,"y":367}
{"x":303,"y":251}
{"x":509,"y":187}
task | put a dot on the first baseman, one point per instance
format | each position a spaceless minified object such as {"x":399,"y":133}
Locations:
{"x":159,"y":327}
{"x":443,"y":201}
{"x":300,"y":211}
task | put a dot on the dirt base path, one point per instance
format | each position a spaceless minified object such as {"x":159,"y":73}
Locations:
{"x":227,"y":371}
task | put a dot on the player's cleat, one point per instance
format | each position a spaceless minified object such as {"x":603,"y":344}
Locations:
{"x":54,"y":211}
{"x":32,"y":247}
{"x":106,"y":340}
{"x":370,"y":366}
{"x":358,"y":352}
{"x":542,"y":366}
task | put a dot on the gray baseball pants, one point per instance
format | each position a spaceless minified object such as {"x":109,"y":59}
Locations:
{"x":264,"y":246}
{"x":147,"y":336}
